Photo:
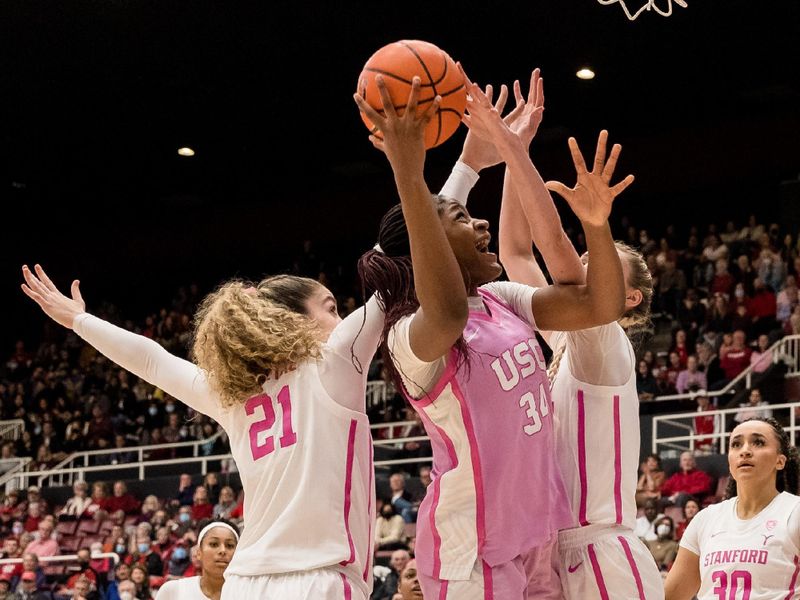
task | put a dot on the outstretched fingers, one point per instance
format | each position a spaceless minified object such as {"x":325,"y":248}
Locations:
{"x":33,"y":282}
{"x":600,"y":152}
{"x":44,"y":278}
{"x":386,"y":98}
{"x":620,"y":187}
{"x":559,"y":188}
{"x":373,"y":115}
{"x":608,"y":170}
{"x":76,"y":292}
{"x":577,"y":157}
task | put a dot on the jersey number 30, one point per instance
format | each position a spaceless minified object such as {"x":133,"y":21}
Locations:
{"x":264,"y":401}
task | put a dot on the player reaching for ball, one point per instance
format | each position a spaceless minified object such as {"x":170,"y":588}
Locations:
{"x":747,"y":547}
{"x":592,"y":372}
{"x":275,"y":368}
{"x":466,"y":356}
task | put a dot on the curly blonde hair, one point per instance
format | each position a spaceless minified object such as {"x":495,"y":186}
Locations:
{"x":244,"y":333}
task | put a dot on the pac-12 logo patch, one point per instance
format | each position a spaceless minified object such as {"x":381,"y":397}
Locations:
{"x":771,"y":524}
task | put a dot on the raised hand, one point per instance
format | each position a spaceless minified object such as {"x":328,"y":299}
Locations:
{"x":480,"y":153}
{"x":56,"y":305}
{"x":592,"y":196}
{"x":403,"y":137}
{"x":531,"y":112}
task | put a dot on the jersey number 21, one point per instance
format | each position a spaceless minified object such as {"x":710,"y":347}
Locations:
{"x":265,"y":402}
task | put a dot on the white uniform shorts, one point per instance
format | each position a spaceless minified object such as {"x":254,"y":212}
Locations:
{"x":607,"y":562}
{"x":317,"y":584}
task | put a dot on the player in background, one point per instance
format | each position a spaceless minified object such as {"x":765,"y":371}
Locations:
{"x":216,"y":544}
{"x":747,"y":547}
{"x":466,"y":356}
{"x":592,"y":372}
{"x":285,"y":377}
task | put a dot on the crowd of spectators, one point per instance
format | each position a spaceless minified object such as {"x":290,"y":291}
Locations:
{"x":152,"y":536}
{"x":727,"y":295}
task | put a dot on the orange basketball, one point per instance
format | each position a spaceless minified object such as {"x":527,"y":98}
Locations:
{"x":399,"y":63}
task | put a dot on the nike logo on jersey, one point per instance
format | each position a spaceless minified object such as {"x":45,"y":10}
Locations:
{"x":573,"y":568}
{"x":716,"y":534}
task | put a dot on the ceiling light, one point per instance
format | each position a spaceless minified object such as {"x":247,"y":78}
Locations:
{"x":185,"y":151}
{"x":585,"y":73}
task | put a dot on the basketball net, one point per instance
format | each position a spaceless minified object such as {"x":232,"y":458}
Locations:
{"x":649,"y":5}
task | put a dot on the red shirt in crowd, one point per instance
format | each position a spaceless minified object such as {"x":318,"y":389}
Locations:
{"x":735,"y":361}
{"x":126,"y":503}
{"x":694,"y":482}
{"x":763,"y":304}
{"x":32,"y":523}
{"x":202,"y":511}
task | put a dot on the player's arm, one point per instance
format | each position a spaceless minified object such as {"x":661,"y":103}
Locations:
{"x":440,"y":288}
{"x":683,"y":580}
{"x":527,"y":211}
{"x":602,"y":299}
{"x":140,"y":355}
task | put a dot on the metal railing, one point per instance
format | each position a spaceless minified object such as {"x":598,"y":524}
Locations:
{"x":73,"y":459}
{"x":378,"y":393}
{"x":685,"y":422}
{"x":11,"y":430}
{"x":68,"y":475}
{"x":63,"y":558}
{"x":786,"y":350}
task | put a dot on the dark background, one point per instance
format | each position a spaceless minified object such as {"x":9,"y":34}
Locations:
{"x":97,"y":96}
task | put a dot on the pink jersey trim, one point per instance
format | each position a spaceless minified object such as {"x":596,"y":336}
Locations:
{"x":488,"y":587}
{"x":582,"y":459}
{"x":436,"y":390}
{"x":451,"y":452}
{"x":598,"y":575}
{"x":371,"y":491}
{"x":617,"y":462}
{"x":351,"y":442}
{"x":443,"y":590}
{"x":477,"y":475}
{"x":793,"y":582}
{"x":634,"y":569}
{"x":348,"y":592}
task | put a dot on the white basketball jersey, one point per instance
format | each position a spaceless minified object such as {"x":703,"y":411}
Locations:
{"x":306,"y":468}
{"x":187,"y":588}
{"x":597,"y":441}
{"x":756,"y":559}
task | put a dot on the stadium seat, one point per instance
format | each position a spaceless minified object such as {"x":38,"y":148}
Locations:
{"x":66,"y":528}
{"x":70,"y":545}
{"x":88,"y":526}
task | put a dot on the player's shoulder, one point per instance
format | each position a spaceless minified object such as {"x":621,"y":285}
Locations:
{"x":714,"y":512}
{"x":505,"y":290}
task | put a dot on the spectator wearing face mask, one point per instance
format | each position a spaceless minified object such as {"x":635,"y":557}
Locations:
{"x":127,"y":591}
{"x":122,"y":573}
{"x":179,"y":560}
{"x":664,"y":549}
{"x":389,"y":529}
{"x":145,"y":557}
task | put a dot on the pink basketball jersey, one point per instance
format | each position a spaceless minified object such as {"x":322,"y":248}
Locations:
{"x":496,"y":490}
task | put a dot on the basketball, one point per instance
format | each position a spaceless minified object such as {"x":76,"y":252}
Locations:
{"x":399,"y":63}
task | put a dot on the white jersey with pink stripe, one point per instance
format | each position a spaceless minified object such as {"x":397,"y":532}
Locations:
{"x":758,"y":558}
{"x":302,"y":446}
{"x":597,"y":428}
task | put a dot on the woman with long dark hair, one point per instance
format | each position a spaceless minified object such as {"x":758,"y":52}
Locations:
{"x":465,"y":355}
{"x":749,"y":545}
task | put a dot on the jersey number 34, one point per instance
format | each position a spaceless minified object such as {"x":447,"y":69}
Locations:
{"x":267,"y":406}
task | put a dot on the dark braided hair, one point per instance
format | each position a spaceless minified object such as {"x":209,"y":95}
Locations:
{"x":388,"y":273}
{"x":787,"y":479}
